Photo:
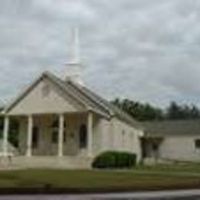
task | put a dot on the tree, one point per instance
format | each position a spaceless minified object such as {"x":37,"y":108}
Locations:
{"x":175,"y":111}
{"x":139,"y":111}
{"x":194,"y":112}
{"x":13,"y":131}
{"x":147,"y":112}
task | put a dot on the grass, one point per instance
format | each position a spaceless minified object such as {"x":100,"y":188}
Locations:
{"x":140,"y":178}
{"x":178,"y":168}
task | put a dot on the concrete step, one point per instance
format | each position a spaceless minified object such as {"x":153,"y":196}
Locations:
{"x":65,"y":162}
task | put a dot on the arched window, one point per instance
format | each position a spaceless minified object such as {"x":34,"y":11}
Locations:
{"x":54,"y":126}
{"x":35,"y":137}
{"x":83,"y":136}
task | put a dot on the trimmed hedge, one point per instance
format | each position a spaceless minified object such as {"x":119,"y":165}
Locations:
{"x":114,"y":160}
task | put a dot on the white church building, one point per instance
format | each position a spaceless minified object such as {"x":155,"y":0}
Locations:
{"x":64,"y":124}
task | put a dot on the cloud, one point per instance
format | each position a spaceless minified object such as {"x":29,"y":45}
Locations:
{"x":147,"y":50}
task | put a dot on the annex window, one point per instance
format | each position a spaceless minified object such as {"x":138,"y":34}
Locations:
{"x":123,"y":138}
{"x":197,"y":143}
{"x":155,"y":147}
{"x":83,"y":136}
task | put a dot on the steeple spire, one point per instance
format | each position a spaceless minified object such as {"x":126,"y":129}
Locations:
{"x":75,"y":47}
{"x":73,"y":67}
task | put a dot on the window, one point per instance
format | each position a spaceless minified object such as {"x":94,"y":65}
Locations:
{"x":35,"y":137}
{"x":64,"y":136}
{"x":83,"y":136}
{"x":54,"y":126}
{"x":54,"y":137}
{"x":123,"y":138}
{"x":155,"y":147}
{"x":197,"y":143}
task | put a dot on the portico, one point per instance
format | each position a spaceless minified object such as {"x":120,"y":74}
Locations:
{"x":60,"y":134}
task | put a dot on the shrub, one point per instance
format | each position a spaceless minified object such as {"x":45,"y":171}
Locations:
{"x":114,"y":160}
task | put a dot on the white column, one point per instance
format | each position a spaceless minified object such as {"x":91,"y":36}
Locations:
{"x":5,"y":135}
{"x":89,"y":133}
{"x":60,"y":135}
{"x":29,"y":136}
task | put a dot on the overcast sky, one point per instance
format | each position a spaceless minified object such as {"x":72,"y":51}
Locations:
{"x":147,"y":50}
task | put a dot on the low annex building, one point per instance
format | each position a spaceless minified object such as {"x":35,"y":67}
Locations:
{"x":175,"y":140}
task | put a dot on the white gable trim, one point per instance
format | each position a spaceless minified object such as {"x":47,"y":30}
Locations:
{"x":21,"y":95}
{"x":24,"y":93}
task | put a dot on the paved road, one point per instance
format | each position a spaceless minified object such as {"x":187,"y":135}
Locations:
{"x":167,"y":195}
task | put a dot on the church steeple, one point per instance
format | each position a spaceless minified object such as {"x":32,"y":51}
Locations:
{"x":75,"y":51}
{"x":73,"y":67}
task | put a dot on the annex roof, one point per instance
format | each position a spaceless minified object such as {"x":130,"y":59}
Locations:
{"x":172,"y":127}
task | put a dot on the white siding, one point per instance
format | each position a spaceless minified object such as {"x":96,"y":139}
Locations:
{"x":179,"y":148}
{"x":110,"y":136}
{"x":101,"y":135}
{"x":127,"y":138}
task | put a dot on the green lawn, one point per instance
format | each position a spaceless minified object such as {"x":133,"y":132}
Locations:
{"x":140,"y":178}
{"x":184,"y":169}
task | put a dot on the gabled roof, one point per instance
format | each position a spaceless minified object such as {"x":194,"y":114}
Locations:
{"x":172,"y":128}
{"x":85,"y":96}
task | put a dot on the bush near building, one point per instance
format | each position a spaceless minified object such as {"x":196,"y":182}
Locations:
{"x":114,"y":160}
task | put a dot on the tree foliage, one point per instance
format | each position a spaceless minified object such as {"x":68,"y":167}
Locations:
{"x":148,"y":112}
{"x":13,"y":131}
{"x":176,"y":111}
